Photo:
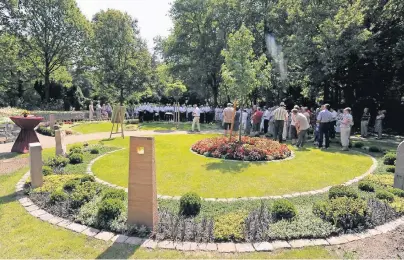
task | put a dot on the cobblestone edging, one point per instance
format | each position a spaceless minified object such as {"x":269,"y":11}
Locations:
{"x":286,"y":196}
{"x":228,"y":247}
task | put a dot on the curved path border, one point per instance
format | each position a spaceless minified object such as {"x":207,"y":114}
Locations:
{"x":228,"y":247}
{"x":285,"y":196}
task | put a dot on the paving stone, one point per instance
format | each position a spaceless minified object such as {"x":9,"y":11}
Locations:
{"x":27,"y":204}
{"x":64,"y":223}
{"x":149,"y":243}
{"x":183,"y":246}
{"x":298,"y":243}
{"x":305,"y":193}
{"x":209,"y":199}
{"x":280,"y":244}
{"x":38,"y":212}
{"x":207,"y":246}
{"x":263,"y":247}
{"x":119,"y":239}
{"x":226,"y":247}
{"x":385,"y":228}
{"x":46,"y":217}
{"x":374,"y":232}
{"x":166,"y":244}
{"x":32,"y":208}
{"x":364,"y":235}
{"x":244,"y":248}
{"x":76,"y":227}
{"x":134,"y":241}
{"x":287,"y":196}
{"x":337,"y":240}
{"x":90,"y":232}
{"x":55,"y":220}
{"x":350,"y":237}
{"x":276,"y":197}
{"x":104,"y":235}
{"x":319,"y":242}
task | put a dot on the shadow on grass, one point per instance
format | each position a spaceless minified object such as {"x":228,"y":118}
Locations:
{"x":4,"y":156}
{"x":164,"y":131}
{"x":229,"y":166}
{"x":8,"y":198}
{"x":118,"y":251}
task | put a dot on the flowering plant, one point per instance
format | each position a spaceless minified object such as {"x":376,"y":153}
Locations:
{"x":25,"y":113}
{"x":249,"y":149}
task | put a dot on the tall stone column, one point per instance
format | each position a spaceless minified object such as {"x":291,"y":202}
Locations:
{"x":60,"y":143}
{"x":142,"y":192}
{"x":35,"y":164}
{"x":51,"y":121}
{"x":399,"y":174}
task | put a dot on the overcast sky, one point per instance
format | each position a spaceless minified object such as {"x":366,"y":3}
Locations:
{"x":151,"y":14}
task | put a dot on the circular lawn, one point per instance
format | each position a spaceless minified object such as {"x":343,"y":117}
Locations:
{"x":179,"y":170}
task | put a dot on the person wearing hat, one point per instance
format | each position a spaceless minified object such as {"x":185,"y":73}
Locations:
{"x":293,"y":131}
{"x":301,"y":125}
{"x":280,"y":116}
{"x":345,"y":128}
{"x":228,"y":115}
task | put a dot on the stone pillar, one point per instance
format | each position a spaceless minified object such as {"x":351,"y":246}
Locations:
{"x":142,"y":193}
{"x":35,"y":164}
{"x":399,"y":174}
{"x":60,"y":143}
{"x":51,"y":121}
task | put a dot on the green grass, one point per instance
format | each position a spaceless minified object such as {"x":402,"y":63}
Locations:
{"x":23,"y":236}
{"x":180,"y":171}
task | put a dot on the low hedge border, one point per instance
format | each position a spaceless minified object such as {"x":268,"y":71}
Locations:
{"x":227,"y":247}
{"x":286,"y":196}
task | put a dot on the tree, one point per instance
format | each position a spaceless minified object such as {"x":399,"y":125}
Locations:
{"x":242,"y":72}
{"x":52,"y":31}
{"x":122,"y":61}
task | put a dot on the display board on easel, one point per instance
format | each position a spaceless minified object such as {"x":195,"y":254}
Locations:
{"x":118,"y":116}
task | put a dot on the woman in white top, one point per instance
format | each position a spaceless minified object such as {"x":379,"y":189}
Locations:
{"x":91,"y":109}
{"x":345,"y":127}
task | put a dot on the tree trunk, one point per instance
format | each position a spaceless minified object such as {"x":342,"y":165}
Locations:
{"x":47,"y":83}
{"x":241,"y":123}
{"x":121,"y":98}
{"x":326,"y":93}
{"x":215,"y":89}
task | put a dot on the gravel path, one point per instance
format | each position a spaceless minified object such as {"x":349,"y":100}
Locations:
{"x":12,"y":165}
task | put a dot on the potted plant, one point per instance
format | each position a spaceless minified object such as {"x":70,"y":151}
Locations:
{"x":25,"y":113}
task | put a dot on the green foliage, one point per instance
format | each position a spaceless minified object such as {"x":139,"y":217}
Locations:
{"x":366,"y":185}
{"x":77,"y":148}
{"x":342,"y":191}
{"x":71,"y":185}
{"x":375,"y":149}
{"x":283,"y":209}
{"x":229,"y":227}
{"x":358,"y":144}
{"x":75,"y":158}
{"x":385,"y":195}
{"x":343,"y":212}
{"x":46,"y":170}
{"x":114,"y":194}
{"x":397,"y":192}
{"x":110,"y":208}
{"x":54,"y":182}
{"x":87,"y":177}
{"x":190,"y":204}
{"x":84,"y":193}
{"x":95,"y":150}
{"x":57,"y":161}
{"x":58,"y":196}
{"x":43,"y":130}
{"x":391,"y":169}
{"x":385,"y":180}
{"x":389,"y":159}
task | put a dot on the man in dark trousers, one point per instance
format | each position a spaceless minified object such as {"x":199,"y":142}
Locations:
{"x":324,"y":118}
{"x":280,"y":116}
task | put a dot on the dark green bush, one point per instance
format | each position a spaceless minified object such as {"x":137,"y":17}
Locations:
{"x":109,"y":209}
{"x":45,"y":131}
{"x":343,"y":212}
{"x":385,"y":195}
{"x":71,"y":185}
{"x":190,"y":204}
{"x":342,"y":191}
{"x":57,"y":161}
{"x":397,"y":192}
{"x":57,"y":196}
{"x":375,"y":149}
{"x":75,"y":158}
{"x":366,"y":185}
{"x":283,"y":209}
{"x":87,"y":177}
{"x":358,"y":144}
{"x":95,"y":150}
{"x":389,"y":159}
{"x":84,"y":193}
{"x":46,"y":170}
{"x":391,"y":169}
{"x":114,"y":194}
{"x":76,"y":149}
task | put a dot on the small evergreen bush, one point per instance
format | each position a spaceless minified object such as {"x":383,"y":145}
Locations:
{"x":358,"y":145}
{"x":190,"y":204}
{"x":114,"y":194}
{"x":46,"y":170}
{"x":75,"y":158}
{"x":87,"y":177}
{"x":95,"y":150}
{"x":385,"y":195}
{"x":366,"y":185}
{"x":397,"y":192}
{"x":45,"y":131}
{"x":109,"y":209}
{"x":76,"y":149}
{"x":391,"y":169}
{"x":375,"y":149}
{"x":57,"y":161}
{"x":283,"y":209}
{"x":229,"y":227}
{"x":57,"y":196}
{"x":342,"y":191}
{"x":71,"y":185}
{"x":389,"y":159}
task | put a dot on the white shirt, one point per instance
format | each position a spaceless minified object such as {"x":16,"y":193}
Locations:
{"x":196,"y":112}
{"x":301,"y":120}
{"x":266,"y":115}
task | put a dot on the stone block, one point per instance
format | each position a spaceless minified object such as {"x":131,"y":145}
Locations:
{"x":166,"y":244}
{"x":263,"y":247}
{"x":319,"y":242}
{"x":134,"y":241}
{"x":38,"y":212}
{"x":60,"y":142}
{"x":119,"y":239}
{"x":207,"y":246}
{"x":76,"y":227}
{"x":64,"y":223}
{"x":52,"y":121}
{"x":399,"y":173}
{"x":35,"y":163}
{"x":337,"y":240}
{"x":104,"y":235}
{"x":55,"y":220}
{"x":226,"y":247}
{"x":244,"y":247}
{"x":46,"y":217}
{"x":149,"y":243}
{"x":298,"y":243}
{"x":280,"y":244}
{"x":183,"y":246}
{"x":91,"y":232}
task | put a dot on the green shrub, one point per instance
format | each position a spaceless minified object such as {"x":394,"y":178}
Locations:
{"x":391,"y":168}
{"x":114,"y":194}
{"x":46,"y":170}
{"x":342,"y":191}
{"x":283,"y":209}
{"x":45,"y":131}
{"x":386,"y":180}
{"x":71,"y":184}
{"x":397,"y":192}
{"x":343,"y":212}
{"x":366,"y":185}
{"x":385,"y":195}
{"x":109,"y":209}
{"x":375,"y":149}
{"x":87,"y":177}
{"x":57,"y":161}
{"x":84,"y":193}
{"x":57,"y":196}
{"x":95,"y":150}
{"x":190,"y":204}
{"x":75,"y":158}
{"x":229,"y":227}
{"x":389,"y":159}
{"x":358,"y":144}
{"x":76,"y":149}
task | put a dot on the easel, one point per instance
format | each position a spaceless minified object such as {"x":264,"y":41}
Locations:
{"x":118,"y":115}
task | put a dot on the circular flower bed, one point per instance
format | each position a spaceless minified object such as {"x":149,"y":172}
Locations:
{"x":249,"y":149}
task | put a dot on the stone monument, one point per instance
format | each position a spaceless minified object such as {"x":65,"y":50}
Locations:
{"x":142,"y":193}
{"x":60,"y":142}
{"x":52,"y":121}
{"x":399,"y":174}
{"x":35,"y":164}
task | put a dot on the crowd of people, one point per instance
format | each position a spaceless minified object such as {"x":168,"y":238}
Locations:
{"x":99,"y":112}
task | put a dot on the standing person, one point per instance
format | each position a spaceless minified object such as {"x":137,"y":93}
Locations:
{"x":266,"y":117}
{"x":365,"y":122}
{"x":244,"y":117}
{"x":280,"y":116}
{"x":333,"y":123}
{"x":91,"y":110}
{"x":228,"y":114}
{"x":98,"y":110}
{"x":339,"y":119}
{"x":302,"y":125}
{"x":109,"y":110}
{"x":257,"y":120}
{"x":293,"y":131}
{"x":196,"y":113}
{"x":324,"y":118}
{"x":345,"y":127}
{"x":379,"y":124}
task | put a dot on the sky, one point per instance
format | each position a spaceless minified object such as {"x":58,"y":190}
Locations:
{"x":151,"y":14}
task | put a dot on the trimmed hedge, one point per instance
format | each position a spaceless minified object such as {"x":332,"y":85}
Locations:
{"x":283,"y":209}
{"x":190,"y":204}
{"x":385,"y":195}
{"x":389,"y":159}
{"x":397,"y":192}
{"x":375,"y":149}
{"x":76,"y":158}
{"x":391,"y":169}
{"x":78,"y":149}
{"x":57,"y":196}
{"x":114,"y":194}
{"x":342,"y":191}
{"x":109,"y":209}
{"x":366,"y":185}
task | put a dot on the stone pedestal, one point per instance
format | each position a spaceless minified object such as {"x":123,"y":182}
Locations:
{"x":35,"y":164}
{"x":60,"y":143}
{"x":51,"y":121}
{"x":142,"y":192}
{"x":399,"y":174}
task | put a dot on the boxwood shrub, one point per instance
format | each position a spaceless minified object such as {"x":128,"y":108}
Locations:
{"x":43,"y":130}
{"x":190,"y":204}
{"x":358,"y":145}
{"x":71,"y":185}
{"x":342,"y":191}
{"x":110,"y":208}
{"x":95,"y":150}
{"x":114,"y":194}
{"x":366,"y":185}
{"x":87,"y":177}
{"x":46,"y":170}
{"x":389,"y":159}
{"x":391,"y":168}
{"x":283,"y":209}
{"x":84,"y":193}
{"x":76,"y":149}
{"x":57,"y":161}
{"x":75,"y":158}
{"x":385,"y":195}
{"x":229,"y":227}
